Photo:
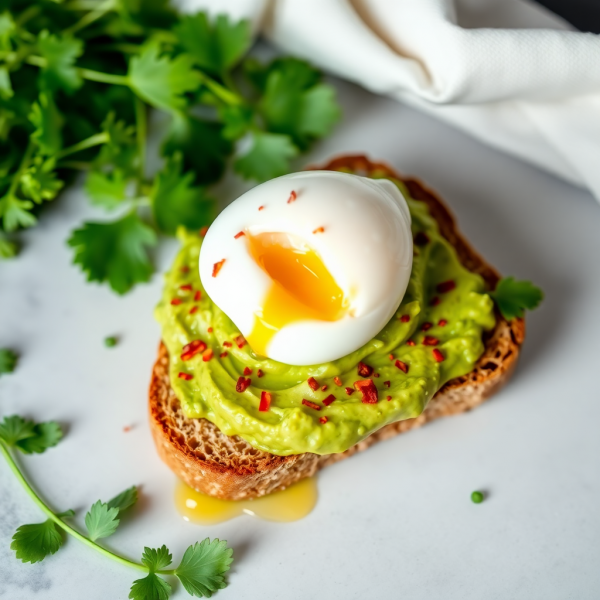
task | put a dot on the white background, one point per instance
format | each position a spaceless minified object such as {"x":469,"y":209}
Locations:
{"x":394,"y":522}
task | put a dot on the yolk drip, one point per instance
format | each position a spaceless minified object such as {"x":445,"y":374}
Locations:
{"x":302,"y":289}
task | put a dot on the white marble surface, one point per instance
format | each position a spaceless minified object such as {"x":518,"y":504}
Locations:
{"x":394,"y":522}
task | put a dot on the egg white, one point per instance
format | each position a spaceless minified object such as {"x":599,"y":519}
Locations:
{"x":366,"y":246}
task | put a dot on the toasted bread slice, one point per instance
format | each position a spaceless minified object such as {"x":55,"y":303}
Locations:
{"x":228,"y":467}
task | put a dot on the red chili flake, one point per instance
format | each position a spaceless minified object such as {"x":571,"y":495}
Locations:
{"x":242,"y":384}
{"x":442,"y":322}
{"x":329,"y":400}
{"x":313,"y":384}
{"x":238,"y":235}
{"x":223,"y":354}
{"x":368,"y":390}
{"x":323,"y":388}
{"x":421,"y":238}
{"x":227,"y":344}
{"x":319,"y":230}
{"x":176,"y":301}
{"x":247,"y":371}
{"x":197,"y":295}
{"x":265,"y":401}
{"x":186,"y":287}
{"x":402,"y":366}
{"x":185,"y":376}
{"x":337,"y":381}
{"x":389,"y":398}
{"x":193,"y":310}
{"x":410,"y":343}
{"x":430,"y":341}
{"x":323,"y":420}
{"x":190,"y":350}
{"x":210,"y":330}
{"x":349,"y":391}
{"x":292,"y":197}
{"x":445,"y":286}
{"x":434,"y":301}
{"x":375,"y":374}
{"x":439,"y":357}
{"x":387,"y":383}
{"x":405,"y":318}
{"x":185,"y":269}
{"x":391,"y":356}
{"x":259,"y":373}
{"x":217,"y":267}
{"x":260,"y":207}
{"x":364,"y":370}
{"x":311,"y":404}
{"x":126,"y":429}
{"x":203,"y":231}
{"x":207,"y":354}
{"x":240,"y":341}
{"x":426,"y":326}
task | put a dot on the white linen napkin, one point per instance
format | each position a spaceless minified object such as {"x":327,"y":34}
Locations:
{"x":506,"y":71}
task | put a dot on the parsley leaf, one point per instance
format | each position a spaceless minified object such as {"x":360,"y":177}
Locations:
{"x":115,"y":251}
{"x":46,"y":435}
{"x":106,"y":189}
{"x":8,"y":361}
{"x":268,"y":157}
{"x":175,"y":201}
{"x":237,"y":121}
{"x":32,"y":543}
{"x":6,"y":90}
{"x":150,"y":587}
{"x":60,"y":53}
{"x":207,"y":159}
{"x":216,"y":46}
{"x":203,"y":567}
{"x":295,"y":104}
{"x":15,"y":213}
{"x":47,"y":122}
{"x":101,"y":520}
{"x":8,"y":249}
{"x":124,"y":500}
{"x":513,"y":297}
{"x":120,"y":151}
{"x":39,"y":182}
{"x":15,"y":428}
{"x":161,"y":80}
{"x":157,"y":558}
{"x":7,"y":29}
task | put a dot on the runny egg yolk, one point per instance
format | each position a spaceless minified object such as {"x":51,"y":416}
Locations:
{"x":302,"y":288}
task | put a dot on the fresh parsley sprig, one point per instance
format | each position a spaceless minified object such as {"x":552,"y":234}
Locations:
{"x":513,"y":297}
{"x":77,"y":82}
{"x":202,"y":568}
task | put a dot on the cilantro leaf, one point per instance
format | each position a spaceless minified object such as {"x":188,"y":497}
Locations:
{"x":8,"y":249}
{"x":15,"y":213}
{"x":150,"y":587}
{"x":268,"y":157}
{"x":60,"y":53}
{"x":6,"y":90}
{"x":39,"y":182}
{"x":32,"y":543}
{"x":15,"y":428}
{"x":45,"y":435}
{"x":202,"y":145}
{"x":513,"y":297}
{"x":157,"y":558}
{"x":106,"y":189}
{"x":48,"y":122}
{"x":124,"y":500}
{"x":101,"y":520}
{"x":203,"y":567}
{"x":115,"y":251}
{"x":236,"y":120}
{"x":295,"y":104}
{"x":161,"y":80}
{"x":216,"y":46}
{"x":8,"y":361}
{"x":175,"y":201}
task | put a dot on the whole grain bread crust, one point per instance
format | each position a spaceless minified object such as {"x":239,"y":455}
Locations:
{"x":228,"y":467}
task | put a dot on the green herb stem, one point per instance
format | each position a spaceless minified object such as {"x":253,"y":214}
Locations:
{"x":92,"y":16}
{"x":28,"y":14}
{"x":22,"y":168}
{"x":67,"y":528}
{"x":141,"y":133}
{"x":220,"y":91}
{"x":40,"y":61}
{"x":94,"y":140}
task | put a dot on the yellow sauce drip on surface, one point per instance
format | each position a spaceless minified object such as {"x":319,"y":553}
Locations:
{"x":291,"y":504}
{"x":302,"y":289}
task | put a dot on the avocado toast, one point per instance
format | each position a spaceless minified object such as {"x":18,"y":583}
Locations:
{"x":230,"y":467}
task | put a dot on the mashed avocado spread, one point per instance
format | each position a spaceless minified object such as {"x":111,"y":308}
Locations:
{"x":206,"y":385}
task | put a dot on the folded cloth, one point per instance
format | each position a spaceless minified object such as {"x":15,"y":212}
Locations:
{"x":506,"y":71}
